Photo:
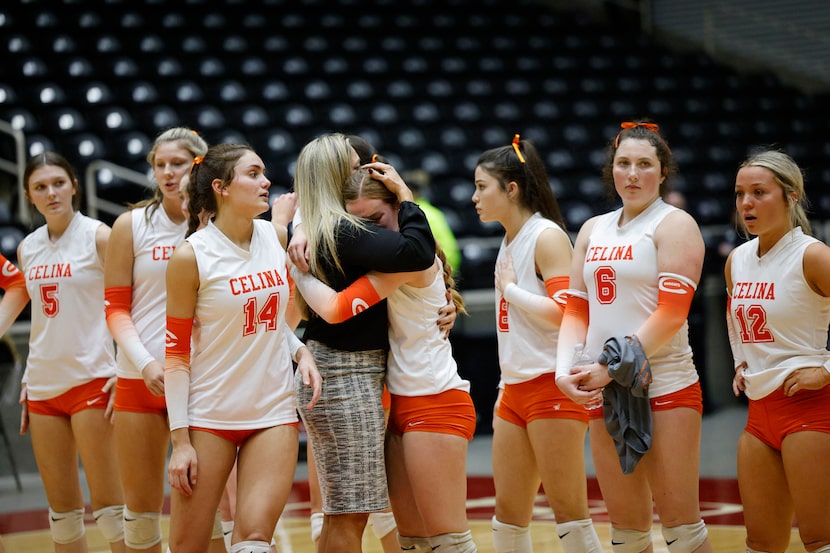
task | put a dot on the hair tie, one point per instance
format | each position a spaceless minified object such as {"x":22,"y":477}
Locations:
{"x":516,"y":139}
{"x":196,"y":161}
{"x":374,"y":158}
{"x":625,"y":125}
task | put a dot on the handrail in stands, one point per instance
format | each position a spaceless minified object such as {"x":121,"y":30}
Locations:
{"x":94,"y":203}
{"x":16,"y":167}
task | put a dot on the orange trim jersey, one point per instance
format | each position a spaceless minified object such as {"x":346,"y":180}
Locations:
{"x":241,"y":372}
{"x":154,"y":241}
{"x":621,"y":277}
{"x":69,"y":342}
{"x":780,"y":321}
{"x":420,"y":359}
{"x":527,"y":343}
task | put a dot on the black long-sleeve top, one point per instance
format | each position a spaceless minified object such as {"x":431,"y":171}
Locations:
{"x":364,"y":250}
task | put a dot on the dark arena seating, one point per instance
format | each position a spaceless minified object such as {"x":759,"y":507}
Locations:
{"x":432,"y":83}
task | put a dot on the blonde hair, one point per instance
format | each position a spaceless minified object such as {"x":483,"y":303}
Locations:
{"x":186,"y":138}
{"x":362,"y":185}
{"x":787,"y":174}
{"x":323,"y":167}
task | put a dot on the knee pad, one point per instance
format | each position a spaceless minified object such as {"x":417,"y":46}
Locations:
{"x":66,"y":527}
{"x":227,"y":532}
{"x":316,"y":526}
{"x":825,"y":549}
{"x":629,"y":541}
{"x":578,"y":536}
{"x":750,"y":550}
{"x":510,"y":538}
{"x":686,"y":537}
{"x":454,"y":542}
{"x":141,"y":530}
{"x":414,"y":544}
{"x":110,"y":521}
{"x":251,"y":547}
{"x":382,"y":523}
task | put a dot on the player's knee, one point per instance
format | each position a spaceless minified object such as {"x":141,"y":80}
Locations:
{"x":686,"y":537}
{"x":578,"y":536}
{"x":629,"y":541}
{"x":454,"y":542}
{"x":382,"y":523}
{"x":414,"y":544}
{"x":509,"y":537}
{"x":110,"y":521}
{"x":251,"y":547}
{"x":316,"y":521}
{"x":141,"y":530}
{"x":66,"y":527}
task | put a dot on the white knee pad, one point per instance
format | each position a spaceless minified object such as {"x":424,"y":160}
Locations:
{"x":750,"y":550}
{"x":578,"y":536}
{"x":382,"y":524}
{"x":455,"y":542}
{"x":686,"y":537}
{"x":316,"y":526}
{"x":825,"y":549}
{"x":141,"y":530}
{"x":414,"y":544}
{"x":110,"y":521}
{"x":629,"y":541}
{"x":251,"y":547}
{"x":227,"y":532}
{"x":66,"y":527}
{"x":508,"y":538}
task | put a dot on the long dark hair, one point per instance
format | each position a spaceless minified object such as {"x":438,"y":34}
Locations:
{"x":528,"y":172}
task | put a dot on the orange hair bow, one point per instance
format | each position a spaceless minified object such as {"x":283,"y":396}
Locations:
{"x":653,"y":127}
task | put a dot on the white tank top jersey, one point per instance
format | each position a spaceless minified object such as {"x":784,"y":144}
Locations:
{"x":420,"y":359}
{"x":153,"y":243}
{"x":781,"y":321}
{"x":620,"y":273}
{"x":241,"y":374}
{"x":69,"y":342}
{"x":527,"y":344}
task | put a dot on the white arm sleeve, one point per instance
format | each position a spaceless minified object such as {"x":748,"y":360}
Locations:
{"x":571,"y":338}
{"x":177,"y":395}
{"x":535,"y":304}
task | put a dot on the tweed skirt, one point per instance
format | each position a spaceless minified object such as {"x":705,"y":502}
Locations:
{"x":346,"y":428}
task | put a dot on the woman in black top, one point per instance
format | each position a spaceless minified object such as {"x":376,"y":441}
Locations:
{"x":346,"y":427}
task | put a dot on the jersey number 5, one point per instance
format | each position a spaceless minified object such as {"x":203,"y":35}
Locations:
{"x":267,"y":315}
{"x":49,"y":299}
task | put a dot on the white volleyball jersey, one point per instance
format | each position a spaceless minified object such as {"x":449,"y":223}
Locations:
{"x":153,"y":243}
{"x":420,"y":359}
{"x":781,"y":321}
{"x":241,"y":374}
{"x":620,"y":273}
{"x":69,"y":342}
{"x":527,"y":343}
